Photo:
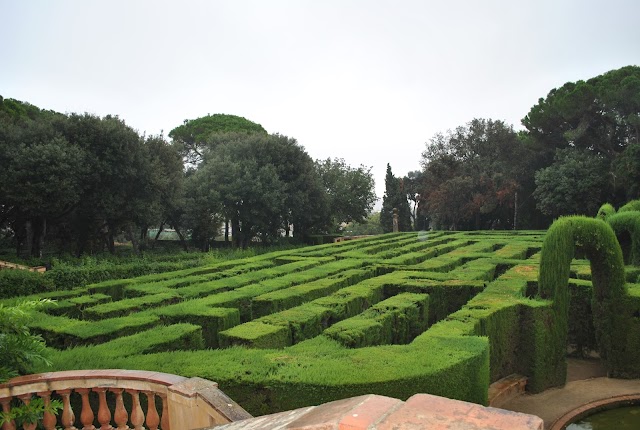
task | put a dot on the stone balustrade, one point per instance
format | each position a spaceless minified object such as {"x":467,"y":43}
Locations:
{"x":187,"y":403}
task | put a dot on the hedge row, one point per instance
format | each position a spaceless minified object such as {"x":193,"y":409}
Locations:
{"x":487,"y":323}
{"x":396,"y":320}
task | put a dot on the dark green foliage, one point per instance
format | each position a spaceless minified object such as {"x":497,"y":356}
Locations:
{"x":350,"y":191}
{"x":19,"y":348}
{"x":14,"y":283}
{"x":573,"y":184}
{"x":471,"y":176}
{"x":605,"y":211}
{"x":395,"y":197}
{"x":597,"y":241}
{"x":626,"y":226}
{"x":581,"y":335}
{"x":196,"y":135}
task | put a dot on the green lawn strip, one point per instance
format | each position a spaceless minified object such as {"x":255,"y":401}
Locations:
{"x":226,"y":284}
{"x":212,"y":320}
{"x":62,"y":332}
{"x":127,"y":306}
{"x":396,"y":320}
{"x":286,"y":298}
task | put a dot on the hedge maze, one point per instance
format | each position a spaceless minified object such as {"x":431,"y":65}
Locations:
{"x":439,"y":312}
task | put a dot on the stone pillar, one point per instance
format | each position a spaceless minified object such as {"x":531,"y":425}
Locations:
{"x":395,"y":220}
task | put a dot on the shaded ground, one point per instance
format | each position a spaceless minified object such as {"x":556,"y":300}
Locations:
{"x":586,"y":383}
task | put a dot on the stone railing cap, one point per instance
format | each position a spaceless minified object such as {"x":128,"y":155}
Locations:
{"x":135,"y":375}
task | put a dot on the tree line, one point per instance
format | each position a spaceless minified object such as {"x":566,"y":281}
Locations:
{"x":79,"y":183}
{"x":579,"y":148}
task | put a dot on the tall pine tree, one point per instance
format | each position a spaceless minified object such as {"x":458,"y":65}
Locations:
{"x":394,"y":197}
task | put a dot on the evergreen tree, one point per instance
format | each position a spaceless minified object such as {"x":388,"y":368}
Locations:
{"x":394,"y":197}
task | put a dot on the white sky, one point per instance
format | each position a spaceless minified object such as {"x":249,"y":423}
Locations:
{"x":369,"y":81}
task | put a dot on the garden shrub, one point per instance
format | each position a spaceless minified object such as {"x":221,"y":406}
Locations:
{"x":626,"y":226}
{"x":633,"y":205}
{"x":596,"y":239}
{"x":396,"y":320}
{"x":483,"y":319}
{"x":14,"y":283}
{"x":605,"y":211}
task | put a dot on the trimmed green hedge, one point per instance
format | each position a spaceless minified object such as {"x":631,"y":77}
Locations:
{"x":16,"y":282}
{"x":483,"y":319}
{"x":633,"y":205}
{"x":626,"y":226}
{"x":597,"y":241}
{"x":605,"y":211}
{"x":396,"y":320}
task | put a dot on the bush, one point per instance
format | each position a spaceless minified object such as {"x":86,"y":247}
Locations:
{"x":633,"y":205}
{"x":15,"y":283}
{"x":597,"y":240}
{"x":626,"y":226}
{"x":605,"y":211}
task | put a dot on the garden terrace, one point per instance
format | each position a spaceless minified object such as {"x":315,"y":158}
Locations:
{"x":445,"y":313}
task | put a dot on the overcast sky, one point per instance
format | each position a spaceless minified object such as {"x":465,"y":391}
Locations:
{"x":368,"y":81}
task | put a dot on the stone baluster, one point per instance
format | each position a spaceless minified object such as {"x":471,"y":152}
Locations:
{"x":104,"y":414}
{"x":164,"y":423}
{"x":26,"y":399}
{"x":49,"y":419}
{"x":6,"y":407}
{"x":137,"y":415}
{"x":153,"y":419}
{"x":120,"y":416}
{"x":86,"y":415}
{"x":67,"y":418}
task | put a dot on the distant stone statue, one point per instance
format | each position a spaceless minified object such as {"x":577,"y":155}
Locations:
{"x":395,"y":220}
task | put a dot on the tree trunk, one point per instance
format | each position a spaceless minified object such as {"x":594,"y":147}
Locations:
{"x":182,"y":241}
{"x":515,"y":212}
{"x":236,"y":233}
{"x":28,"y":239}
{"x":134,"y":240}
{"x":111,"y":242}
{"x":226,"y":231}
{"x":38,"y":237}
{"x":159,"y":231}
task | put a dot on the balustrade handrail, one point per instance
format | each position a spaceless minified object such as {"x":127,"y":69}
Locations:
{"x":187,"y":403}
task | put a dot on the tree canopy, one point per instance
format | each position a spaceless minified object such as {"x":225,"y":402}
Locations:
{"x":194,"y":135}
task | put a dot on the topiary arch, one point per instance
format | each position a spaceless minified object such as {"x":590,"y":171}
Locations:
{"x":597,"y":241}
{"x":626,"y":226}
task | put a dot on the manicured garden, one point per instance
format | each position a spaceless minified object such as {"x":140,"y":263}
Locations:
{"x":439,"y":312}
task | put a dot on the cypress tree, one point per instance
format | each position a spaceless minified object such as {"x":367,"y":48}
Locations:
{"x":394,"y":197}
